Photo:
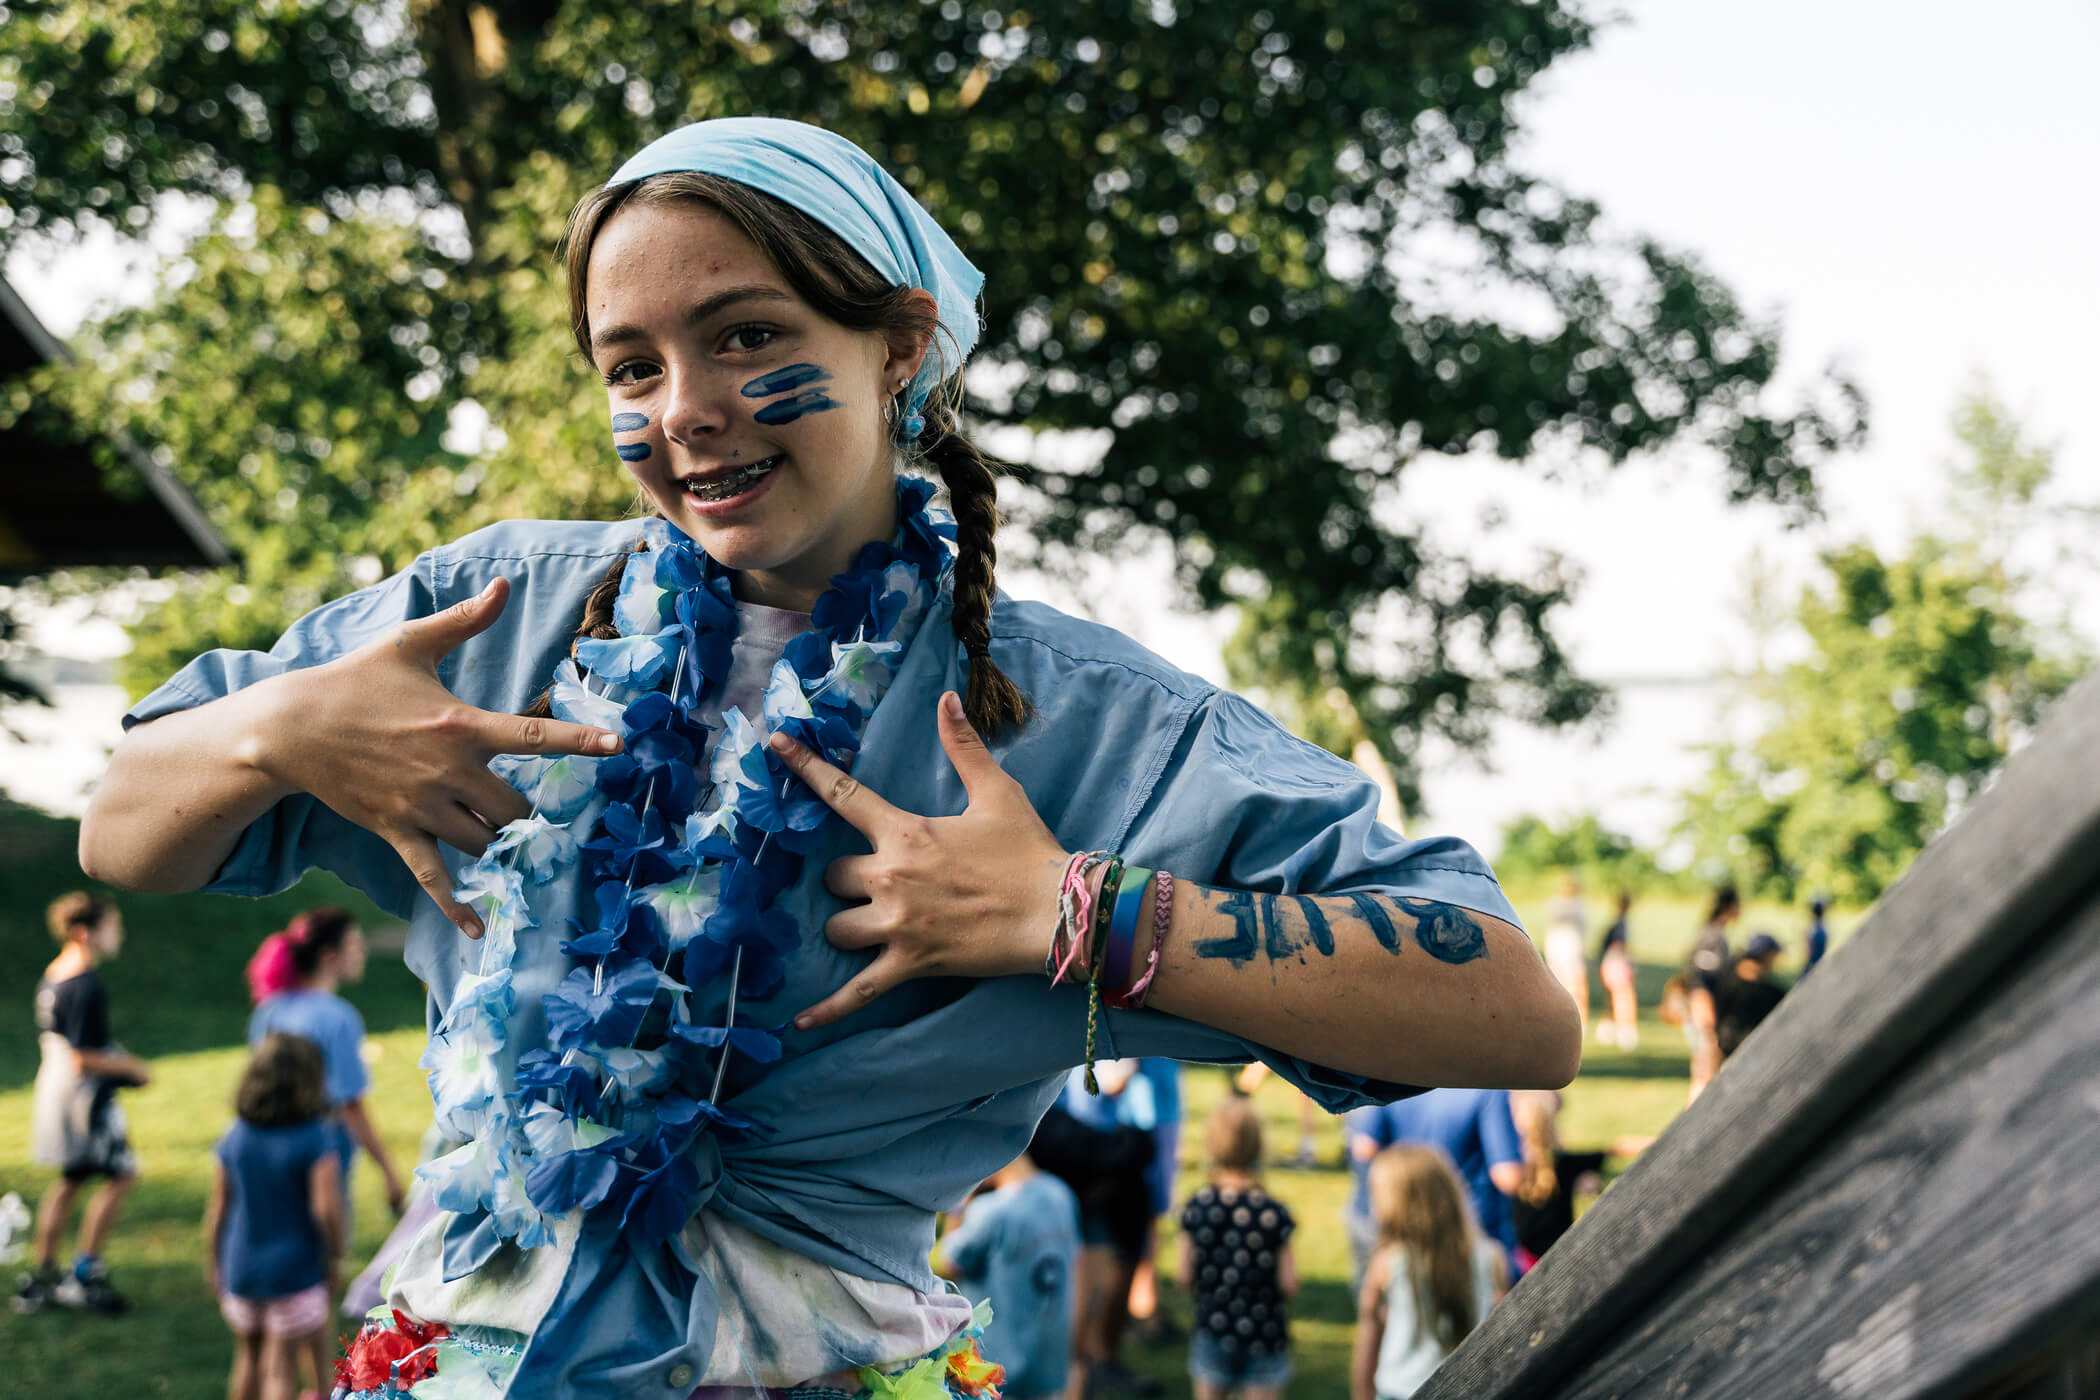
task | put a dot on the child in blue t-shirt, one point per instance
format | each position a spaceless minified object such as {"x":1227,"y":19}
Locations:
{"x":274,"y":1224}
{"x":1015,"y":1248}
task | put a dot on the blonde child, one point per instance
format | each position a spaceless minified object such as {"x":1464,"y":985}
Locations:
{"x":1236,"y":1259}
{"x":274,"y":1222}
{"x":1431,"y":1278}
{"x":76,"y":1123}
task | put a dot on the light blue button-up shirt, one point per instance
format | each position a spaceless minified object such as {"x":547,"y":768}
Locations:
{"x":894,"y":1113}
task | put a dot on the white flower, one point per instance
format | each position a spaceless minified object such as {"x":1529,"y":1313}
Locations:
{"x":576,"y":703}
{"x":463,"y":1179}
{"x":738,"y":738}
{"x":784,"y":696}
{"x":859,"y":669}
{"x":543,"y":846}
{"x":640,"y":607}
{"x":682,"y":906}
{"x":558,"y":785}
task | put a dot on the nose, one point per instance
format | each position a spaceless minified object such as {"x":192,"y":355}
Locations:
{"x":695,"y":407}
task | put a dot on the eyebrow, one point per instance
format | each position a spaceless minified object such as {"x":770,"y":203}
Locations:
{"x":699,"y":311}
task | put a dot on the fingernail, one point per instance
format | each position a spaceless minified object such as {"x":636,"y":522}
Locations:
{"x":780,"y":744}
{"x":470,"y":926}
{"x":489,"y":588}
{"x":608,"y":743}
{"x":802,"y":1023}
{"x":951,"y":706}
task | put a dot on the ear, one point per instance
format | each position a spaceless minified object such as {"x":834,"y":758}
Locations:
{"x":908,"y":350}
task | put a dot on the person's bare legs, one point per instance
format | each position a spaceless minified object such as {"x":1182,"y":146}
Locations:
{"x":52,"y":1213}
{"x":1626,"y":1010}
{"x":280,"y":1368}
{"x":102,"y":1212}
{"x":244,"y":1381}
{"x":321,"y":1351}
{"x":1144,"y":1291}
{"x":1208,"y":1390}
{"x":1261,"y":1392}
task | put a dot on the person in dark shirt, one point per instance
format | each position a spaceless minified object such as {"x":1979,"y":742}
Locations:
{"x":1703,"y":971}
{"x":1818,"y":934}
{"x":1747,"y":994}
{"x":77,"y":1126}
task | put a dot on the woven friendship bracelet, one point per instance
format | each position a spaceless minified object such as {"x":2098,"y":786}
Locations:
{"x":1162,"y":914}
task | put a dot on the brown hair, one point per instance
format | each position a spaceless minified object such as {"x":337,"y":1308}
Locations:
{"x":1533,"y":1110}
{"x":1417,"y":1203}
{"x":284,"y":1084}
{"x":77,"y":909}
{"x":838,"y":284}
{"x":1233,"y":1136}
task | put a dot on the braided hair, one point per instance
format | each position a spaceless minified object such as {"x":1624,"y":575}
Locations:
{"x":839,"y":284}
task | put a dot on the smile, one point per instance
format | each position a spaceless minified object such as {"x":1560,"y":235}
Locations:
{"x":728,"y":485}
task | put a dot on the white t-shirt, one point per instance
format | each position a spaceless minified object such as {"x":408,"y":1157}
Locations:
{"x":1409,"y":1351}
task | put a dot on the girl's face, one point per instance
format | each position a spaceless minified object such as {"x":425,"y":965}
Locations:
{"x":350,"y":955}
{"x":108,"y":936}
{"x":752,"y":422}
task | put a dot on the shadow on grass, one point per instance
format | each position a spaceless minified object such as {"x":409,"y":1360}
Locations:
{"x":177,"y":986}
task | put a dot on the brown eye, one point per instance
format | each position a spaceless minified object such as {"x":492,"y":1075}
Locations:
{"x":747,"y":338}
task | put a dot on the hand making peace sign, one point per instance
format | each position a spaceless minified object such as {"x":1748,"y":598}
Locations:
{"x":973,"y":895}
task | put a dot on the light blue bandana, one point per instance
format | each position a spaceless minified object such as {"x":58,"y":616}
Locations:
{"x":840,"y":186}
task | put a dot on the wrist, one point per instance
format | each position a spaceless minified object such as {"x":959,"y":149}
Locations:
{"x":264,"y":725}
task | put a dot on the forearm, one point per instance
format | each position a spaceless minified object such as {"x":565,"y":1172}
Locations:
{"x":107,"y":1062}
{"x":180,"y":790}
{"x":360,"y":1125}
{"x":1390,"y":987}
{"x":1363,"y":1360}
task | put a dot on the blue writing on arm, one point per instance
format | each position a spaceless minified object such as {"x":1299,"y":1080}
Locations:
{"x":1445,"y":932}
{"x":1373,"y":913}
{"x":1239,"y":948}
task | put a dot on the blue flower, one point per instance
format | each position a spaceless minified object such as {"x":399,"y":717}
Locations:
{"x":679,"y":1111}
{"x":574,"y":1086}
{"x":663,"y":1201}
{"x":600,"y":1009}
{"x":628,"y":836}
{"x":681,"y":907}
{"x":637,"y":1072}
{"x":632,"y":661}
{"x":708,"y":836}
{"x":765,"y":935}
{"x":464,"y":1081}
{"x":574,"y":1180}
{"x":622,"y":927}
{"x":752,"y":1042}
{"x":708,"y":616}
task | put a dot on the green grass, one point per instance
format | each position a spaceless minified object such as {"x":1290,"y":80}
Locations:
{"x":178,"y":999}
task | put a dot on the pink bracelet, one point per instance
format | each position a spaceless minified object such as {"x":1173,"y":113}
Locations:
{"x":1075,"y":903}
{"x":1162,"y":913}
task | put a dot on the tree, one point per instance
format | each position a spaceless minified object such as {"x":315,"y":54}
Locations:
{"x":1924,"y":672}
{"x":1266,"y":256}
{"x":1536,"y":851}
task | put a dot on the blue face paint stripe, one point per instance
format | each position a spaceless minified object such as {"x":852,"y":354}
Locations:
{"x":628,"y":422}
{"x":775,"y":415}
{"x":782,"y":380}
{"x":632,"y":451}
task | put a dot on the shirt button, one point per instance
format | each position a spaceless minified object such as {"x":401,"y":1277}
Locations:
{"x":681,"y":1376}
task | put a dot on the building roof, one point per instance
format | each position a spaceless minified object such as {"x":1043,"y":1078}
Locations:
{"x":58,"y":509}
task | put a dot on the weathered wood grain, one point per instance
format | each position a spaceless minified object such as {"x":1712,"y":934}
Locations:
{"x":1943,"y":1236}
{"x":1971,"y":903}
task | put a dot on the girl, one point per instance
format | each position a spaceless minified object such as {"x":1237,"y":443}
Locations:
{"x":293,"y":980}
{"x":1703,"y":972}
{"x":1543,"y":1206}
{"x":76,"y":1123}
{"x":1564,"y":951}
{"x":722,"y":1027}
{"x":1430,"y":1280}
{"x":274,"y":1226}
{"x":1615,"y":970}
{"x":1236,"y":1260}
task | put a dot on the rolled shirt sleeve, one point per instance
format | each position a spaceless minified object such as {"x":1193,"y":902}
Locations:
{"x":1243,"y":804}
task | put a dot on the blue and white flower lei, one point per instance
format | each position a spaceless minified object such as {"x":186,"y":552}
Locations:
{"x":684,"y":873}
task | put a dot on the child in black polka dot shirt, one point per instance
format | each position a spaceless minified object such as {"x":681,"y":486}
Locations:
{"x":1236,"y":1260}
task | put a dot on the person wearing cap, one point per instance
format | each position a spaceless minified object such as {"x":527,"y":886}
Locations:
{"x":721,"y":1029}
{"x":1747,"y":993}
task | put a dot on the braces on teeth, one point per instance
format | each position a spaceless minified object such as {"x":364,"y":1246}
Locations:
{"x":723,"y":487}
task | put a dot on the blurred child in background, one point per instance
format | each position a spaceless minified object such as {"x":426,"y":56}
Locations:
{"x":1430,"y":1280}
{"x":1236,"y":1260}
{"x":1615,"y":970}
{"x":76,"y":1125}
{"x":1016,"y":1247}
{"x":273,"y":1226}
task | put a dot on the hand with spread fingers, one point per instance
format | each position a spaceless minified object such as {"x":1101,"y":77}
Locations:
{"x":973,"y":895}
